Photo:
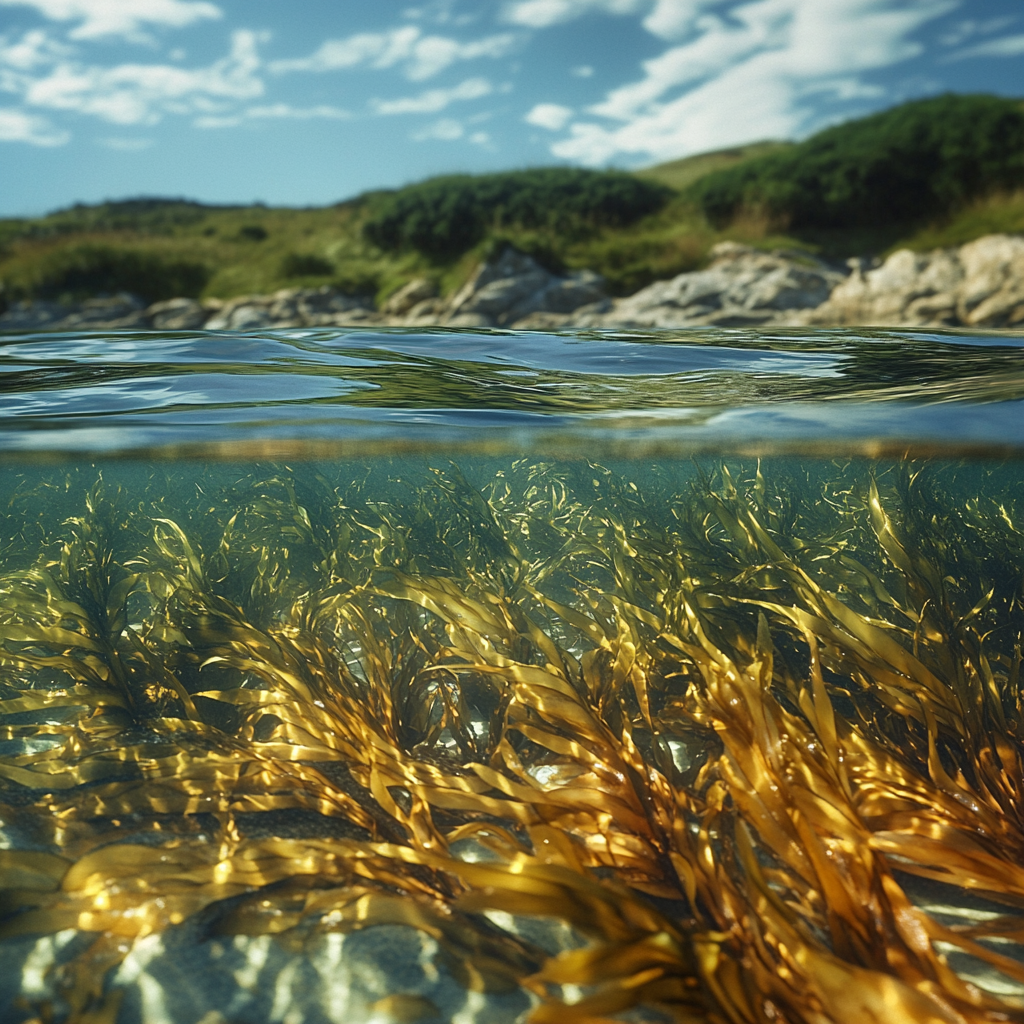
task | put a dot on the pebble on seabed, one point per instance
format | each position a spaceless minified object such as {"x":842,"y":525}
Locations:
{"x":388,"y":974}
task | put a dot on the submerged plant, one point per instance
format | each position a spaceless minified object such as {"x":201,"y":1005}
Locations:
{"x":717,"y":727}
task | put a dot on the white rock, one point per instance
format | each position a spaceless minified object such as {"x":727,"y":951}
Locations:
{"x":409,"y":296}
{"x":514,"y":286}
{"x":178,"y":315}
{"x":741,"y":286}
{"x":978,"y":284}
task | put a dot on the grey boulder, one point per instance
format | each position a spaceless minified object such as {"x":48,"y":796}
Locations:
{"x":742,"y":286}
{"x":980,"y":284}
{"x":505,"y":291}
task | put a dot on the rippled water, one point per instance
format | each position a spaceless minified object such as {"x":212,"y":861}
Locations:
{"x":689,"y":390}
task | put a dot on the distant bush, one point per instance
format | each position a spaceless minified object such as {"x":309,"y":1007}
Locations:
{"x":305,"y":264}
{"x":82,"y":270}
{"x":917,"y":161}
{"x":149,"y":216}
{"x":252,"y":232}
{"x":357,"y":280}
{"x":444,"y":217}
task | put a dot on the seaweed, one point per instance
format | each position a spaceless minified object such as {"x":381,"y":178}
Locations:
{"x":716,"y":724}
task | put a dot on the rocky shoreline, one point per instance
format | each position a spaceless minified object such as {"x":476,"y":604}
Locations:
{"x":980,"y":284}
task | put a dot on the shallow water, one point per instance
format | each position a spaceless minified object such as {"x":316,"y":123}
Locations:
{"x":668,"y":391}
{"x":356,"y":677}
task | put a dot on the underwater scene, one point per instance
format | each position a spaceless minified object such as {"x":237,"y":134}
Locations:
{"x":668,"y":678}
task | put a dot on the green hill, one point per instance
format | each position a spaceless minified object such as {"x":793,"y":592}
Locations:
{"x":934,"y":172}
{"x":890,"y":173}
{"x":680,"y":174}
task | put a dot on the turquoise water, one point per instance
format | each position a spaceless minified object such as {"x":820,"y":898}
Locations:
{"x":681,"y":391}
{"x":302,"y":633}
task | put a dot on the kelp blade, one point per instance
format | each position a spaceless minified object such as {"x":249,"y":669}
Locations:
{"x":693,"y":740}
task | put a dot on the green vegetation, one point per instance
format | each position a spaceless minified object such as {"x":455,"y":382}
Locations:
{"x":291,"y":248}
{"x":306,"y":264}
{"x":149,"y":215}
{"x":252,"y":233}
{"x":680,"y":174}
{"x":919,"y":161}
{"x":930,"y":173}
{"x":444,"y":217}
{"x":81,"y":270}
{"x":998,"y":213}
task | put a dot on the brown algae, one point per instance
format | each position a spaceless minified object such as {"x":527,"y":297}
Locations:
{"x":726,"y":721}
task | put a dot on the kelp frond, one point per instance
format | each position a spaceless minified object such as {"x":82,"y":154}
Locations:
{"x":718,"y":730}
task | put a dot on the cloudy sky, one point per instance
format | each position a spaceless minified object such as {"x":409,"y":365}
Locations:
{"x":309,"y":101}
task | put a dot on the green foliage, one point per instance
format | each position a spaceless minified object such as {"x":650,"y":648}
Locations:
{"x":144,"y":216}
{"x":252,"y":233}
{"x":922,"y":160}
{"x":358,"y":279}
{"x":995,"y":214}
{"x":680,"y":174}
{"x":444,"y":217}
{"x":82,"y":270}
{"x":305,"y":264}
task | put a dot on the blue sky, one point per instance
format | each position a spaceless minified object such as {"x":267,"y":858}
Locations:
{"x":305,"y":102}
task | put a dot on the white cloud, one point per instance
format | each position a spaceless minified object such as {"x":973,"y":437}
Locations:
{"x":433,"y":100}
{"x":285,"y":110}
{"x":273,"y":111}
{"x":964,"y":30}
{"x":126,"y":145}
{"x":421,"y":56}
{"x":544,"y":13}
{"x":34,"y":49}
{"x":440,"y":12}
{"x":1007,"y":46}
{"x":120,"y":17}
{"x":676,"y":19}
{"x":747,"y":73}
{"x":668,"y":19}
{"x":583,"y":71}
{"x":17,"y":126}
{"x":214,"y":121}
{"x":445,"y":130}
{"x":549,"y":115}
{"x":143,"y":93}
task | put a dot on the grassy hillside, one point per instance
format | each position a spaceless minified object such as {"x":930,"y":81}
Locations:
{"x":680,"y":174}
{"x":225,"y":251}
{"x":931,"y":173}
{"x":916,"y":164}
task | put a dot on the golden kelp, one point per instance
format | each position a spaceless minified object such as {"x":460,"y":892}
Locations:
{"x":717,"y":727}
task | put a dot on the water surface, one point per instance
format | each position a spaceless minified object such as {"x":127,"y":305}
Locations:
{"x":493,"y":391}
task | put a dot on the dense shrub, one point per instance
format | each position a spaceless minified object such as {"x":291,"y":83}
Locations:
{"x":914,"y":162}
{"x":356,"y":279}
{"x":252,"y":233}
{"x":305,"y":264}
{"x":81,"y":270}
{"x":144,"y":216}
{"x":444,"y":217}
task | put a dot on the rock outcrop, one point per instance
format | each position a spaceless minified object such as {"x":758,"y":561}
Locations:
{"x":978,"y":284}
{"x":742,"y":287}
{"x":507,"y":291}
{"x":292,"y":307}
{"x":118,"y":313}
